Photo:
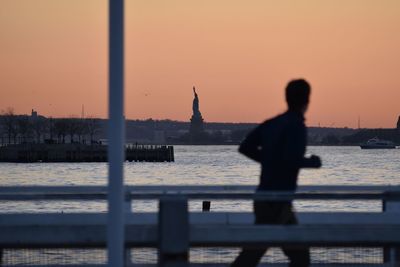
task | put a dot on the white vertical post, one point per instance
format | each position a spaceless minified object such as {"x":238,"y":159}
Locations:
{"x":173,"y":232}
{"x":116,"y":135}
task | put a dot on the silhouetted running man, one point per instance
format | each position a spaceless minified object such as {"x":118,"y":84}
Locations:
{"x":279,"y":144}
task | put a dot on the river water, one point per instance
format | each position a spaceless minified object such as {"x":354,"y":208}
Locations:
{"x":207,"y":165}
{"x":203,"y":165}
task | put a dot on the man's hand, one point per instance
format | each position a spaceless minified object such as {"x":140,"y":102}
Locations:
{"x":315,"y":161}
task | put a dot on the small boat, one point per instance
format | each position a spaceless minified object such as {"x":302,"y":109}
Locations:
{"x":376,"y":143}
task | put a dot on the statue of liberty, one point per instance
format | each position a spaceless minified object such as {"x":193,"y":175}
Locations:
{"x":196,"y":110}
{"x":196,"y":122}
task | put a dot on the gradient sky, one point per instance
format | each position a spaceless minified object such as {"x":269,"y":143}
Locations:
{"x":239,"y":55}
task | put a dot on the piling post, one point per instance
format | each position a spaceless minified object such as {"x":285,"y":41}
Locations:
{"x":206,"y":205}
{"x":172,"y":158}
{"x":173,"y":232}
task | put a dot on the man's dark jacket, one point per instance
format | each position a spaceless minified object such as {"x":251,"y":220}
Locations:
{"x":279,"y":144}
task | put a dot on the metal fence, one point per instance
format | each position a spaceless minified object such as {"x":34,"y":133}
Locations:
{"x":148,"y":256}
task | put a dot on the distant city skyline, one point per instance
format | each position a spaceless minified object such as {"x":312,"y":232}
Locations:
{"x":238,"y":54}
{"x":35,"y":113}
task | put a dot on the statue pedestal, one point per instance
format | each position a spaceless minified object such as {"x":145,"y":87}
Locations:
{"x":196,"y":125}
{"x":196,"y":130}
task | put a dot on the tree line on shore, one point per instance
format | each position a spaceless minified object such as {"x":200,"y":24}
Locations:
{"x":19,"y":129}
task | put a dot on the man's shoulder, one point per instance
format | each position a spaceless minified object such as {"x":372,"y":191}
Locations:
{"x":284,"y":120}
{"x":274,"y":119}
{"x":271,"y":125}
{"x":278,"y":119}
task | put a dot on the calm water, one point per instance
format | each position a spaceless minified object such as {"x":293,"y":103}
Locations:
{"x":202,"y":165}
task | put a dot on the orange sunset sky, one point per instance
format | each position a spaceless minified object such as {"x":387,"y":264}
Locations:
{"x":239,"y":55}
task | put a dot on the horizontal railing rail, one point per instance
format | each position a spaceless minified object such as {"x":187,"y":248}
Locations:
{"x":88,"y":230}
{"x":328,"y":192}
{"x":94,"y":236}
{"x":271,"y":196}
{"x":198,"y":218}
{"x":195,"y":188}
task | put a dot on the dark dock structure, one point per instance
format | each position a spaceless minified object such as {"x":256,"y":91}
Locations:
{"x":82,"y":153}
{"x":151,"y":153}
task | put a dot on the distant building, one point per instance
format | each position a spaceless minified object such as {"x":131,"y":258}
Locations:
{"x":398,"y":124}
{"x":159,"y":137}
{"x":34,"y":114}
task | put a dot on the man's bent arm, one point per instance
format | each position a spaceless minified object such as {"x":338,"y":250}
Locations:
{"x":296,"y":147}
{"x":251,"y":145}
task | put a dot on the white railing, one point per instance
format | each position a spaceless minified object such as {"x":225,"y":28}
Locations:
{"x":173,"y":230}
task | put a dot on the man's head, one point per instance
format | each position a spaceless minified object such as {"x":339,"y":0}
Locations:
{"x":297,"y":95}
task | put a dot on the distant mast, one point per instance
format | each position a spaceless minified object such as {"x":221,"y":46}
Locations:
{"x":83,"y":112}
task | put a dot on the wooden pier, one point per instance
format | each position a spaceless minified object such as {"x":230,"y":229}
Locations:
{"x":82,"y":153}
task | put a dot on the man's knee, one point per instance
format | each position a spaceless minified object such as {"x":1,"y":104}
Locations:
{"x":298,"y":257}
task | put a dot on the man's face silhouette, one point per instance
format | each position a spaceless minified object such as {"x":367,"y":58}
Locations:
{"x":305,"y":108}
{"x":297,"y":95}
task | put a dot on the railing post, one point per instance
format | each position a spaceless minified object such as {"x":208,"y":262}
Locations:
{"x":128,"y":257}
{"x":116,"y":135}
{"x":173,"y":232}
{"x":391,"y":255}
{"x":127,"y":206}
